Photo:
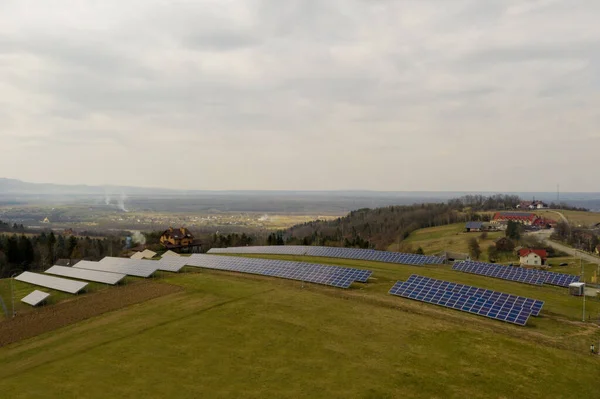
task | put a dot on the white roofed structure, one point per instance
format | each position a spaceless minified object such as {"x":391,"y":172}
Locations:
{"x":137,"y":256}
{"x":145,"y":254}
{"x":55,"y":283}
{"x":82,"y":273}
{"x":35,"y":298}
{"x":130,"y":267}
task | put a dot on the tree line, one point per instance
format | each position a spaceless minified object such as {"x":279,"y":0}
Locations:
{"x":38,"y":252}
{"x":374,"y":228}
{"x":576,"y":237}
{"x":380,"y":227}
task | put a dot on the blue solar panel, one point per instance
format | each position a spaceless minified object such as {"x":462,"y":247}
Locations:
{"x":496,"y":271}
{"x":335,"y":252}
{"x":529,"y":276}
{"x":335,"y":276}
{"x":492,"y":304}
{"x":533,"y":304}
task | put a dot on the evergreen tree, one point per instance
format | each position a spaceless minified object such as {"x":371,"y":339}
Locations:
{"x":26,"y":252}
{"x":513,"y":230}
{"x":12,"y":250}
{"x":51,"y":243}
{"x":71,"y":245}
{"x":61,"y":248}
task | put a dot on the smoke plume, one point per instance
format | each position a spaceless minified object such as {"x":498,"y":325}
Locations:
{"x":138,"y":238}
{"x":106,"y":196}
{"x":121,"y":202}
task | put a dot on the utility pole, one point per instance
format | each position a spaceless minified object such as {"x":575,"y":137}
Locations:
{"x":12,"y":293}
{"x":583,"y":280}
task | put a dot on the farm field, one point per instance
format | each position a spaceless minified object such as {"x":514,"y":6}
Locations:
{"x":231,"y":335}
{"x":100,"y":219}
{"x":577,"y":218}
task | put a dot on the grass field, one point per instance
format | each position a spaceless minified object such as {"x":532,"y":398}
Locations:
{"x":230,"y":335}
{"x":574,"y":217}
{"x":9,"y":288}
{"x":450,"y":237}
{"x":453,"y":238}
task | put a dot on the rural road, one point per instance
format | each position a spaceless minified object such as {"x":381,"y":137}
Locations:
{"x":544,"y":235}
{"x":564,"y":219}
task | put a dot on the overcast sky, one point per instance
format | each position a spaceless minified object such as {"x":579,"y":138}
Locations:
{"x":308,"y":94}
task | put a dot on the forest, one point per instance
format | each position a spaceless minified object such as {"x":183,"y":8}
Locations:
{"x":378,"y":228}
{"x":38,"y":252}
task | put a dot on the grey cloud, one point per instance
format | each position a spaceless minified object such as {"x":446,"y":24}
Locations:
{"x":534,"y":52}
{"x":222,"y":41}
{"x":249,"y":85}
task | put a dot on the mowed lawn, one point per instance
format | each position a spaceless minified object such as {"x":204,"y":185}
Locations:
{"x":230,"y":335}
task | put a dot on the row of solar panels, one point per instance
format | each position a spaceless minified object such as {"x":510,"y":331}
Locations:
{"x":506,"y":307}
{"x":528,"y":276}
{"x":108,"y":271}
{"x":341,"y":277}
{"x":112,"y":270}
{"x":493,"y":304}
{"x":334,"y":252}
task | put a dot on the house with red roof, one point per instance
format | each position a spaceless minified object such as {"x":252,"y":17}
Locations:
{"x":532,"y":257}
{"x":525,"y":218}
{"x":544,"y":223}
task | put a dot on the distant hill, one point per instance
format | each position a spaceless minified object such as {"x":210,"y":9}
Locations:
{"x":18,"y":187}
{"x":14,"y":191}
{"x":375,"y":228}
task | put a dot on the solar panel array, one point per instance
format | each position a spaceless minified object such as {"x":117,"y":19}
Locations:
{"x":171,"y":263}
{"x":559,"y":279}
{"x":496,"y":271}
{"x":88,"y":275}
{"x":55,"y":283}
{"x":526,"y":275}
{"x":35,"y":298}
{"x":335,"y":276}
{"x":534,"y":304}
{"x":130,"y":267}
{"x":493,"y":304}
{"x":335,"y":252}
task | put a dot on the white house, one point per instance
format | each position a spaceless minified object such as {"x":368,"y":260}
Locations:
{"x":532,"y":205}
{"x":532,"y":257}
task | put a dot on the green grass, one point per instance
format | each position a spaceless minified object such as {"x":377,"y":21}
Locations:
{"x":446,"y":238}
{"x":575,"y":217}
{"x":7,"y":287}
{"x":558,"y":301}
{"x":231,"y":335}
{"x":227,"y":336}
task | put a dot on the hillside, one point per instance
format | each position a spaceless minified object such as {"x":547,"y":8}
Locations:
{"x":576,"y":218}
{"x":451,"y":237}
{"x":374,"y":228}
{"x":230,"y":335}
{"x":381,"y":227}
